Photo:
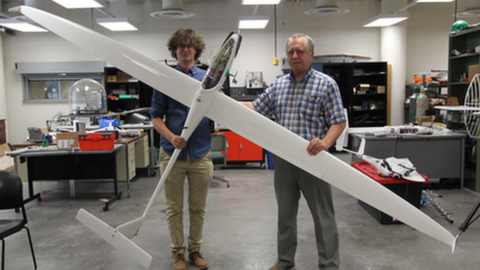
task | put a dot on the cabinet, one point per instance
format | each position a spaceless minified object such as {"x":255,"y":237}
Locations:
{"x":142,"y":154}
{"x":125,"y":92}
{"x":134,"y":155}
{"x":363,"y":87}
{"x":464,"y":42}
{"x":241,"y":150}
{"x":126,"y":162}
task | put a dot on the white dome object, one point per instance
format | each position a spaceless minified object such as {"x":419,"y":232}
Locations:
{"x":87,"y":96}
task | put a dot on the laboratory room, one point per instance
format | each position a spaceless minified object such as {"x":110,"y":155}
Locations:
{"x":240,"y":134}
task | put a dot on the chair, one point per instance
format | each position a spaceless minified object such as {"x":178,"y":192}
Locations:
{"x":219,"y":154}
{"x":11,"y":197}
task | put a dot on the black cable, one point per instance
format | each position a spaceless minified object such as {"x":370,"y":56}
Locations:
{"x":275,"y":34}
{"x":455,"y":14}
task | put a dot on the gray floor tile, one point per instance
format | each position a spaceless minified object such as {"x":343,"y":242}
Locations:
{"x":240,"y":229}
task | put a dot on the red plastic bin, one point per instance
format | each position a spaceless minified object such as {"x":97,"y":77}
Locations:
{"x":410,"y":191}
{"x":96,"y":141}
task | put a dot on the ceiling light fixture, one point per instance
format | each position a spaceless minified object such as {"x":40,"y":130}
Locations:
{"x":472,"y":9}
{"x":172,"y":9}
{"x":116,"y":24}
{"x":253,"y":22}
{"x":384,"y":20}
{"x":260,"y":2}
{"x":433,"y":1}
{"x":414,"y":2}
{"x":326,"y":7}
{"x":21,"y":26}
{"x":70,"y":4}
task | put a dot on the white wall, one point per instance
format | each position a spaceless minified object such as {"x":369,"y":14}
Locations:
{"x":427,"y":38}
{"x":427,"y":34}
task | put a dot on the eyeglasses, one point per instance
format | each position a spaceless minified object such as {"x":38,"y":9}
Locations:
{"x":184,"y":46}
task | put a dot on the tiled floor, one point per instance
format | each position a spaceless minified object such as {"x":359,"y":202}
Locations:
{"x":240,"y":229}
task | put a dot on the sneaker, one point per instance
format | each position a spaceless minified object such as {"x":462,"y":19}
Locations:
{"x":276,"y":267}
{"x":197,"y":259}
{"x":179,"y":262}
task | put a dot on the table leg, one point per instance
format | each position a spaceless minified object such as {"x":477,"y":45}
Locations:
{"x":73,"y":194}
{"x":117,"y":195}
{"x":31,"y":195}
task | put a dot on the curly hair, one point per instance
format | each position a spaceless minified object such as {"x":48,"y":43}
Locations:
{"x":189,"y":36}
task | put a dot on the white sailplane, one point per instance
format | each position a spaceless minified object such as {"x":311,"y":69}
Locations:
{"x":205,"y":100}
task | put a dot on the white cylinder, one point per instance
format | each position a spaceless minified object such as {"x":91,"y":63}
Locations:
{"x":422,"y":104}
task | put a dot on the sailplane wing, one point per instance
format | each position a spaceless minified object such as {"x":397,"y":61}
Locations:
{"x":292,"y":148}
{"x":245,"y":122}
{"x":150,"y":71}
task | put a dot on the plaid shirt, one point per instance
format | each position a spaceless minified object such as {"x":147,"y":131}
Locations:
{"x":308,"y":108}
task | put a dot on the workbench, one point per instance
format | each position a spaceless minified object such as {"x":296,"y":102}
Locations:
{"x":152,"y":150}
{"x":436,"y":156}
{"x":119,"y":164}
{"x":58,"y":164}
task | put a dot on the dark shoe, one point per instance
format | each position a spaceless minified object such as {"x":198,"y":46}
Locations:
{"x":276,"y":267}
{"x":179,"y":262}
{"x":197,"y":259}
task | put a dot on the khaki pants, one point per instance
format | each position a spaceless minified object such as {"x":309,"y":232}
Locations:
{"x":199,"y":174}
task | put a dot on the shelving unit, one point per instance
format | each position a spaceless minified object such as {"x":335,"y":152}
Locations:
{"x":363,"y":86}
{"x":461,"y":67}
{"x":125,"y":92}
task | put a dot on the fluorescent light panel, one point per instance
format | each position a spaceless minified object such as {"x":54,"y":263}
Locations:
{"x":116,"y":24}
{"x":260,"y":2}
{"x":70,"y":4}
{"x":384,"y":20}
{"x":433,"y":1}
{"x":21,"y":26}
{"x":252,"y":23}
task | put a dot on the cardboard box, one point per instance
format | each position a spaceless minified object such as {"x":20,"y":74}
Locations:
{"x":472,"y":70}
{"x":111,"y":78}
{"x":122,"y":76}
{"x":425,"y":121}
{"x":453,"y":101}
{"x":4,"y":148}
{"x":6,"y":162}
{"x":380,"y":89}
{"x":67,"y":140}
{"x":362,"y":88}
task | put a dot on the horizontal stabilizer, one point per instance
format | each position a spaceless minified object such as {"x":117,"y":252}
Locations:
{"x":114,"y":238}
